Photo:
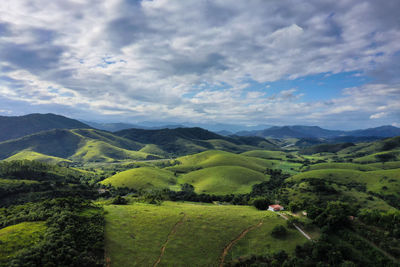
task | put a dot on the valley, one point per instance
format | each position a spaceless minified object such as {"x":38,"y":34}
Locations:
{"x":188,"y":196}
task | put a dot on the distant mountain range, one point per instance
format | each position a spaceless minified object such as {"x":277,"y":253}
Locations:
{"x":19,"y":126}
{"x":299,"y":131}
{"x":220,"y":128}
{"x":91,"y":145}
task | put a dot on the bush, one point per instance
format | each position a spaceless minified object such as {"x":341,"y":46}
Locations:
{"x":279,"y":231}
{"x":120,"y":201}
{"x":261,"y":203}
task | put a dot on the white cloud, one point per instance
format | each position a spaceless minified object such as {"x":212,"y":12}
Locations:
{"x":194,"y":59}
{"x":377,"y":115}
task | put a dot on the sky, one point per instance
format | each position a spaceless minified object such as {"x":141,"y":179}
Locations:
{"x":335,"y":64}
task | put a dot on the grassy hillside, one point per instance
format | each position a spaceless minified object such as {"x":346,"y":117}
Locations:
{"x":338,"y":165}
{"x":380,"y":181}
{"x":32,"y":155}
{"x":8,"y":183}
{"x":15,"y":238}
{"x":99,"y":151}
{"x":153,"y":149}
{"x":142,"y":178}
{"x":78,"y":145}
{"x":223,"y":180}
{"x":19,"y":126}
{"x":57,"y":143}
{"x":214,"y":158}
{"x":266,"y":154}
{"x":191,"y":234}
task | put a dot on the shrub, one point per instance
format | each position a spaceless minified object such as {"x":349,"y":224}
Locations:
{"x":261,"y":203}
{"x":279,"y":231}
{"x":120,"y":201}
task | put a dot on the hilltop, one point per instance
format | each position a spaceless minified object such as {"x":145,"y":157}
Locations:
{"x":19,"y":126}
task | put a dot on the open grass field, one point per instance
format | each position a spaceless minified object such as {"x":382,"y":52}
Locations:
{"x":223,"y":180}
{"x":142,"y":178}
{"x":188,"y":234}
{"x":17,"y":237}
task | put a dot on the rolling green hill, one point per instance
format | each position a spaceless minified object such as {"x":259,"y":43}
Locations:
{"x":212,"y":158}
{"x":78,"y":145}
{"x":182,"y":141}
{"x":266,"y":154}
{"x":189,"y":234}
{"x":90,"y":145}
{"x":223,"y":180}
{"x":142,"y":178}
{"x":339,"y":165}
{"x":16,"y":238}
{"x":32,"y":155}
{"x":380,"y":181}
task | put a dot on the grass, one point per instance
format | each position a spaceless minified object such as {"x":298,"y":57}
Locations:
{"x":135,"y":233}
{"x":386,"y":165}
{"x":380,"y":181}
{"x":142,"y":178}
{"x":223,"y":180}
{"x":100,"y":151}
{"x":373,"y":157}
{"x":153,"y":149}
{"x":349,"y":166}
{"x":265,"y":154}
{"x":260,"y":242}
{"x":14,"y":183}
{"x":15,"y":238}
{"x":32,"y":155}
{"x":213,"y":158}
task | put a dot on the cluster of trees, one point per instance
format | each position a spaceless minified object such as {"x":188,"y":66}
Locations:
{"x":74,"y":233}
{"x":328,"y":251}
{"x":48,"y":181}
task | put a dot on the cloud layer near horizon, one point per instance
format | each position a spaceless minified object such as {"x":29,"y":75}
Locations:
{"x":201,"y":60}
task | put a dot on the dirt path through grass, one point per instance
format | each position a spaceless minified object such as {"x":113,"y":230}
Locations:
{"x":173,"y":231}
{"x":233,"y":242}
{"x":298,"y":228}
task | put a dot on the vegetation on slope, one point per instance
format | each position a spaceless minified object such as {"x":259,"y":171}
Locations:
{"x":16,"y":127}
{"x":223,"y":180}
{"x":16,"y":238}
{"x":142,"y":178}
{"x":136,"y":233}
{"x":212,"y":158}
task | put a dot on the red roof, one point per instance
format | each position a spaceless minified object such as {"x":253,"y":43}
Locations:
{"x":276,"y":207}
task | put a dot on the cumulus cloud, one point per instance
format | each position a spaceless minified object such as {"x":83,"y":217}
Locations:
{"x":193,"y":59}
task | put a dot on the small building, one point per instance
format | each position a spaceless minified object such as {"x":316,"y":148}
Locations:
{"x":275,"y":207}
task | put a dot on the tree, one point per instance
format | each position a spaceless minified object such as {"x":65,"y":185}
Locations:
{"x":261,"y":203}
{"x":385,"y":157}
{"x":279,"y":231}
{"x":119,"y":201}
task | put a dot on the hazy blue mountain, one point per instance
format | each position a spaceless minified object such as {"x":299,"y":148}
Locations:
{"x":299,"y":131}
{"x":382,"y":131}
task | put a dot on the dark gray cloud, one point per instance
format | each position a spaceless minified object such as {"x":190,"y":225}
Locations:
{"x":33,"y":59}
